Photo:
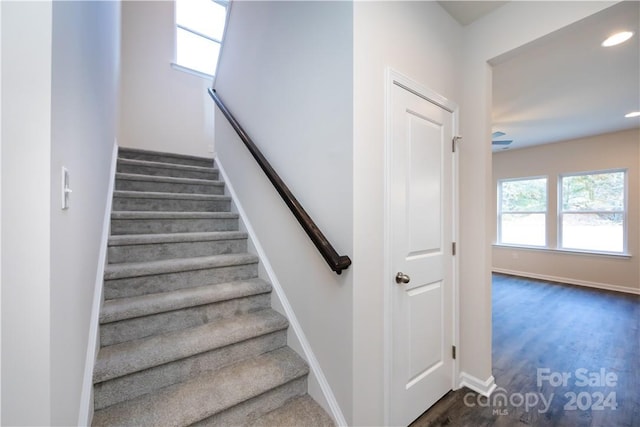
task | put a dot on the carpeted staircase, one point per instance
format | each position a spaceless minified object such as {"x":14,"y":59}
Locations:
{"x":187,"y":332}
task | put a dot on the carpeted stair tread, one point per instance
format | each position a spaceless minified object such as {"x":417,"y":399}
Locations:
{"x":163,"y":195}
{"x":141,"y":246}
{"x":163,"y":165}
{"x":138,"y":180}
{"x":199,"y":398}
{"x":139,"y":154}
{"x":170,"y":179}
{"x":149,"y":268}
{"x":301,"y":411}
{"x":145,"y":239}
{"x":128,"y":308}
{"x":172,"y":215}
{"x":187,"y":330}
{"x":124,"y":222}
{"x":132,"y":356}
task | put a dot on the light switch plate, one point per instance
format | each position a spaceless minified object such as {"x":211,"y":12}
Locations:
{"x":66,"y":191}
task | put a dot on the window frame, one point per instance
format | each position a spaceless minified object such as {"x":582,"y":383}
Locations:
{"x":175,"y":65}
{"x":500,"y":212}
{"x":624,"y":212}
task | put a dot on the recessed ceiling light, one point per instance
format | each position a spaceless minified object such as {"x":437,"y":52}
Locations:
{"x":617,"y":38}
{"x":633,"y":114}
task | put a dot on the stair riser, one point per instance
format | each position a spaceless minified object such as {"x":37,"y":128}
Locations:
{"x":141,"y":327}
{"x":163,"y":251}
{"x":135,"y":286}
{"x":170,"y":205}
{"x":168,"y":187}
{"x":157,"y":226}
{"x":256,"y":407}
{"x":161,"y":171}
{"x":153,"y":157}
{"x":130,"y":386}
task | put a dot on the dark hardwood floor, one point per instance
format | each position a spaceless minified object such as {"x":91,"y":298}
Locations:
{"x":562,"y":356}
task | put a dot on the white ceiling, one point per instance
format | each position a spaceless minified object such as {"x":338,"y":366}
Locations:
{"x":564,"y":85}
{"x":465,"y":12}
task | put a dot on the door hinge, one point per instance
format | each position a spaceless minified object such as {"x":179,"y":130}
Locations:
{"x":453,"y":143}
{"x":453,"y":248}
{"x":453,"y":351}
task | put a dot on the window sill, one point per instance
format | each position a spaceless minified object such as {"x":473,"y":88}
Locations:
{"x":191,"y":71}
{"x":563,"y":251}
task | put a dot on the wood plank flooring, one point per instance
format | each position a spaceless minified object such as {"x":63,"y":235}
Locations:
{"x":572,"y":353}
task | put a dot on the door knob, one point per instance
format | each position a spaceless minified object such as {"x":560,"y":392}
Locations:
{"x":402,"y":278}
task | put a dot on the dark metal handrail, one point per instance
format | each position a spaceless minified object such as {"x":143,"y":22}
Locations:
{"x":335,"y":261}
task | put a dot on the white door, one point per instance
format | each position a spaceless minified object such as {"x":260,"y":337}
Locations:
{"x":421,"y":228}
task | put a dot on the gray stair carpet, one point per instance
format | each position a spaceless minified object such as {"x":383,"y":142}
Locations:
{"x":187,"y":332}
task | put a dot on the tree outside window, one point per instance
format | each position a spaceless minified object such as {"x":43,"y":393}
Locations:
{"x":592,"y":211}
{"x":522,"y":211}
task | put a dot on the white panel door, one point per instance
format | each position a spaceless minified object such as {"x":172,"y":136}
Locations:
{"x":421,"y":228}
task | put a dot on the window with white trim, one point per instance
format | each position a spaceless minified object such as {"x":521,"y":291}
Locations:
{"x":592,"y":213}
{"x":199,"y":29}
{"x":522,"y":211}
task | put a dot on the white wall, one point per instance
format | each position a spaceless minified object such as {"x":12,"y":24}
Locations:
{"x":26,"y":154}
{"x":609,"y":151}
{"x":59,"y":93}
{"x":417,"y":39}
{"x":162,"y":109}
{"x":485,"y":39}
{"x":420,"y":40}
{"x":0,"y":219}
{"x":285,"y":72}
{"x":85,"y":72}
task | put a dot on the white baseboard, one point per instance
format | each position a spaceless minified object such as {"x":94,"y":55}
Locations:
{"x":485,"y":388}
{"x":568,"y":280}
{"x":314,"y":365}
{"x":86,"y":397}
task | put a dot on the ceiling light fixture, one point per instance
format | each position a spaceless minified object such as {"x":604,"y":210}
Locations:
{"x":617,"y":38}
{"x":633,"y":114}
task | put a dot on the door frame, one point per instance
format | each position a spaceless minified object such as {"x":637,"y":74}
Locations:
{"x":393,"y":77}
